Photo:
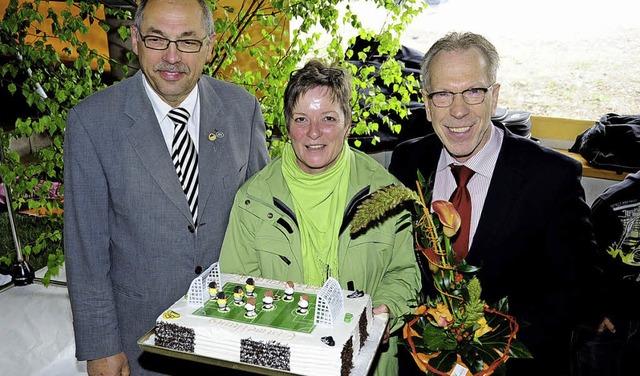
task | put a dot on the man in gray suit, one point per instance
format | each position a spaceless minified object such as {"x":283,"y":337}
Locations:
{"x":133,"y":240}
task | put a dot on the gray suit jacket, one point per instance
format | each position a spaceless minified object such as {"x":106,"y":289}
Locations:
{"x":130,"y":245}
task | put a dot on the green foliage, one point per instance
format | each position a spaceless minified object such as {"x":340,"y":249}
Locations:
{"x":29,"y":230}
{"x":438,"y":339}
{"x":379,"y":204}
{"x":474,"y":308}
{"x":50,"y":84}
{"x":314,"y":19}
{"x":50,"y":81}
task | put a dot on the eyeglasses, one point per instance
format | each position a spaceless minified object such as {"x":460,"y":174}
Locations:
{"x":183,"y":45}
{"x":475,"y":95}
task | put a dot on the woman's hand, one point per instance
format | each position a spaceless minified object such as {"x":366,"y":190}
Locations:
{"x":381,"y":310}
{"x":605,"y":324}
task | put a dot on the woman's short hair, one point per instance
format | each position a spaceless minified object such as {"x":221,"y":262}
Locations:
{"x":460,"y":42}
{"x":314,"y":74}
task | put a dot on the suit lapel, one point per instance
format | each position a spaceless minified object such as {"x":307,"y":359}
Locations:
{"x":213,"y":129}
{"x":432,"y":156}
{"x":506,"y":183}
{"x":147,"y":140}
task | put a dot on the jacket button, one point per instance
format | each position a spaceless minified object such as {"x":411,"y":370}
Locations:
{"x":191,"y":229}
{"x":270,"y":215}
{"x":198,"y":269}
{"x":247,"y":202}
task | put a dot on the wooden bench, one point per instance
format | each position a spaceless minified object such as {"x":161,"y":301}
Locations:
{"x":560,"y":134}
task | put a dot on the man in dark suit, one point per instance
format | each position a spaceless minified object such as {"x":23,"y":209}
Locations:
{"x":134,"y":240}
{"x":529,"y":227}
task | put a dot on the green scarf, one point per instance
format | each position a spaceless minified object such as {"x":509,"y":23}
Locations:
{"x":318,"y":201}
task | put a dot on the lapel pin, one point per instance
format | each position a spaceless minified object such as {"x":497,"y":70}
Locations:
{"x":215,"y":135}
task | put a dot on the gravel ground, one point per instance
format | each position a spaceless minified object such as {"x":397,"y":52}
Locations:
{"x":576,"y":59}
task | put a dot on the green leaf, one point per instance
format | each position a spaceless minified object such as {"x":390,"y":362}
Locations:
{"x":438,"y":340}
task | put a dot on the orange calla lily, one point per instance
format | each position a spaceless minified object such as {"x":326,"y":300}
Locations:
{"x":483,"y":329}
{"x":448,"y":216}
{"x":422,"y":359}
{"x":441,"y":315}
{"x":408,"y":331}
{"x":420,"y":310}
{"x":432,"y":257}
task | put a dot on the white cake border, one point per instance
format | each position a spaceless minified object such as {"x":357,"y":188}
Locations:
{"x":362,"y":364}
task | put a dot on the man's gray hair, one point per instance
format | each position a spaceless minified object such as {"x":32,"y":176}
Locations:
{"x":461,"y":41}
{"x":207,"y":16}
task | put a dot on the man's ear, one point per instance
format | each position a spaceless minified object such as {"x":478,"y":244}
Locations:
{"x":212,"y":42}
{"x":427,"y":109}
{"x":134,"y":39}
{"x":494,"y":98}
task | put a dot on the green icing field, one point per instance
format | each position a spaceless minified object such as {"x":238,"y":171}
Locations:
{"x":283,"y":315}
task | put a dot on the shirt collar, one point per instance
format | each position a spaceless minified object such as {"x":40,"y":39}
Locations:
{"x":161,"y":108}
{"x":484,"y":161}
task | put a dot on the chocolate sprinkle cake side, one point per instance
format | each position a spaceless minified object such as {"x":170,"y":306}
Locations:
{"x":362,"y":326}
{"x":270,"y":354}
{"x":175,"y":337}
{"x":347,"y":358}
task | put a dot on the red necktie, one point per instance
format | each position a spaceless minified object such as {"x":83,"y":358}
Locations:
{"x":461,"y":200}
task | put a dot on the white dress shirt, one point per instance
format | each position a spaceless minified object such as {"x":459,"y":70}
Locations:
{"x":161,"y":109}
{"x":483,"y":163}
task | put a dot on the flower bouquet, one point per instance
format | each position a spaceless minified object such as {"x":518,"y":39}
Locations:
{"x":453,"y":332}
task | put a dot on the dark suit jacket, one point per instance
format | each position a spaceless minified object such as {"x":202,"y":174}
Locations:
{"x":130,"y":244}
{"x":533,"y":236}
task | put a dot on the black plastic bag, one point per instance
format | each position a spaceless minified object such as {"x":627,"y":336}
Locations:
{"x":612,"y":143}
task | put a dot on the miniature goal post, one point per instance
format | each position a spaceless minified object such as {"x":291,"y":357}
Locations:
{"x":199,"y":288}
{"x":329,"y":303}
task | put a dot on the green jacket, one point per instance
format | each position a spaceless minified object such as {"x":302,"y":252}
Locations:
{"x":263,"y":240}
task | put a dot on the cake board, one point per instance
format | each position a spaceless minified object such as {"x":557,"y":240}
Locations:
{"x":361,"y":366}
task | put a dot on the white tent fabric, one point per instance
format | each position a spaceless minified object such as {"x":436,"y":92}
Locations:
{"x":36,"y":332}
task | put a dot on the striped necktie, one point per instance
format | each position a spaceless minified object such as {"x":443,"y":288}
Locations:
{"x":185,"y":158}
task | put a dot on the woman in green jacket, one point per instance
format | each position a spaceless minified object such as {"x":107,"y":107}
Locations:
{"x":291,"y":220}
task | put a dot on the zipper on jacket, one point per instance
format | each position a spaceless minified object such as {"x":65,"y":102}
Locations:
{"x":352,"y":206}
{"x":285,"y":225}
{"x":285,"y":209}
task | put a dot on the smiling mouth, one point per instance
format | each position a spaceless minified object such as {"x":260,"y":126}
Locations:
{"x":171,"y":74}
{"x":315,"y":147}
{"x":459,"y":129}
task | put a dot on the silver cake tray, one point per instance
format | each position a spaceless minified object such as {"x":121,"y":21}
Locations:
{"x":361,"y":366}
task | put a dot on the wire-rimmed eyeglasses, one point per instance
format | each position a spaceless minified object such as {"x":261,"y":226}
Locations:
{"x":474,"y":95}
{"x":154,"y":42}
